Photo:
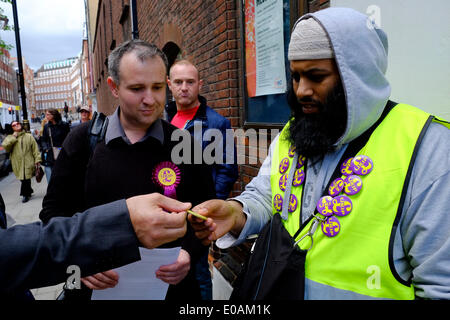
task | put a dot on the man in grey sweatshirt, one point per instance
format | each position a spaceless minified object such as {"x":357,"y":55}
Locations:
{"x":395,"y":243}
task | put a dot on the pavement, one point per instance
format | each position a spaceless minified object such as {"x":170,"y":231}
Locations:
{"x":22,"y":213}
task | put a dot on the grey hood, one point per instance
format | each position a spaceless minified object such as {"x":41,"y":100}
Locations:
{"x":360,"y":51}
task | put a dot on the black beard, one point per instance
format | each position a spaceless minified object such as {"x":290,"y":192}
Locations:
{"x":314,"y":134}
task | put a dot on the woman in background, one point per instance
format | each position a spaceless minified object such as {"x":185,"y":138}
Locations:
{"x":25,"y":157}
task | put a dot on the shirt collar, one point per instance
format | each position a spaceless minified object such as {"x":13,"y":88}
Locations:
{"x":115,"y":130}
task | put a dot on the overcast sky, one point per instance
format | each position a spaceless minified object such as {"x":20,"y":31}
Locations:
{"x":49,"y":29}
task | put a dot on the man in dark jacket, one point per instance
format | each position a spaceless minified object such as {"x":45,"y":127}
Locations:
{"x":134,"y":158}
{"x":189,"y":111}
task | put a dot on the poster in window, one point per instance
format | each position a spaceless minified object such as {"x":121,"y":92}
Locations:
{"x":264,"y":47}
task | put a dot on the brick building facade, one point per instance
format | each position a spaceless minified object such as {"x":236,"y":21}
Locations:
{"x":8,"y":98}
{"x":210,"y":34}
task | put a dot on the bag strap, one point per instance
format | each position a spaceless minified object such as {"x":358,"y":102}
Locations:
{"x":96,"y":130}
{"x":352,"y":148}
{"x":50,"y":135}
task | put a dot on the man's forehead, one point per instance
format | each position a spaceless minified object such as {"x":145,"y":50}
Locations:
{"x":184,"y":71}
{"x":314,"y":65}
{"x":131,"y":57}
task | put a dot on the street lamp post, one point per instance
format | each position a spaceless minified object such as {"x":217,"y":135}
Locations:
{"x":26,"y":123}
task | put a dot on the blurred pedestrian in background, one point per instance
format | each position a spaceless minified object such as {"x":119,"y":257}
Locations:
{"x":85,"y":113}
{"x":53,"y":135}
{"x":25,"y":157}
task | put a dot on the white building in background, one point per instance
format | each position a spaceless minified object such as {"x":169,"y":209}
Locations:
{"x":75,"y":84}
{"x":57,"y":84}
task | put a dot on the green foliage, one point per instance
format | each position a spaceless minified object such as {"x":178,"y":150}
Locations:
{"x":4,"y":28}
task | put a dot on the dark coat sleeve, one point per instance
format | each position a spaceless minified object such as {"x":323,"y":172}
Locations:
{"x":37,"y":255}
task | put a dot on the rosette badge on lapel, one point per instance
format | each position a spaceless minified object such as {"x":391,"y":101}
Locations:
{"x":168,"y":176}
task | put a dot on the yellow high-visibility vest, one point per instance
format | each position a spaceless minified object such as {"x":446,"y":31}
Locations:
{"x":359,"y":259}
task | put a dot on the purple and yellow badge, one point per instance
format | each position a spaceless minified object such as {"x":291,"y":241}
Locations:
{"x":299,"y":177}
{"x":168,"y":176}
{"x":284,"y":165}
{"x":301,"y":161}
{"x":291,"y":151}
{"x":282,"y":182}
{"x":353,"y":184}
{"x":293,"y":202}
{"x":346,"y":167}
{"x":278,"y":202}
{"x":362,"y":165}
{"x":342,"y":205}
{"x":325,"y":206}
{"x":331,"y":226}
{"x":336,"y":187}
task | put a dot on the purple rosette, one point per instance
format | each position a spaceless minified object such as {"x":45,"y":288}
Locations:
{"x":168,"y":176}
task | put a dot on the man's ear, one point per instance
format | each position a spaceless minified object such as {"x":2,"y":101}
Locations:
{"x":169,"y":84}
{"x":113,"y":87}
{"x":200,"y":84}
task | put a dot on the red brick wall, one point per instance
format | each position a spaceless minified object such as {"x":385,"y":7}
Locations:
{"x":6,"y":82}
{"x":207,"y":32}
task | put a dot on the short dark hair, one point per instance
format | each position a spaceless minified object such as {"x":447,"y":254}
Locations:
{"x":144,"y":50}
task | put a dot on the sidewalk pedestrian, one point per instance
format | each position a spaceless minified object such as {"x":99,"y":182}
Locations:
{"x":85,"y":113}
{"x":53,"y":135}
{"x":25,"y":157}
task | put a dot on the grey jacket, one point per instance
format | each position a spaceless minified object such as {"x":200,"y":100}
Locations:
{"x":37,"y":255}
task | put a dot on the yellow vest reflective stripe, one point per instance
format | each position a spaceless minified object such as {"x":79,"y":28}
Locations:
{"x":359,"y":258}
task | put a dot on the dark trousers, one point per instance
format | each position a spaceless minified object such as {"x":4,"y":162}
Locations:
{"x":25,"y":188}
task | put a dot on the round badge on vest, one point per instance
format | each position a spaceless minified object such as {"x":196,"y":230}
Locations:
{"x":346,"y":167}
{"x":353,"y":184}
{"x":331,"y":226}
{"x":342,"y":205}
{"x":299,"y":177}
{"x":278,"y":202}
{"x":325,"y":206}
{"x":362,"y":165}
{"x":284,"y":165}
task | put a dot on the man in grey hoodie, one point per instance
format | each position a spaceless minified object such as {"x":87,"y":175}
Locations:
{"x":373,"y":174}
